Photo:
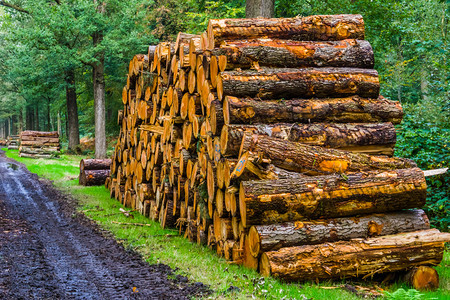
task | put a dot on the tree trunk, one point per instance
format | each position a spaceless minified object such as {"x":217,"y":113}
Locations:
{"x":336,"y":110}
{"x":330,"y":196}
{"x":99,"y":98}
{"x":58,"y":122}
{"x":36,"y":116}
{"x":73,"y":133}
{"x":277,"y":83}
{"x":357,"y":257}
{"x":299,"y":157}
{"x":265,"y":238}
{"x":48,"y":115}
{"x":376,"y":138}
{"x":259,"y":8}
{"x":311,"y":28}
{"x":296,"y":54}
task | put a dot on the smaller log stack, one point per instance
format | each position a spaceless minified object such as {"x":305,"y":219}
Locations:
{"x":39,"y":144}
{"x":94,"y":171}
{"x":3,"y":142}
{"x":268,"y":141}
{"x":13,"y":142}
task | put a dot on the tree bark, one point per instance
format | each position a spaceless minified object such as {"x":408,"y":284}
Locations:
{"x":93,"y":177}
{"x":296,"y":54}
{"x":311,"y":28}
{"x":33,"y":135}
{"x":265,"y":238}
{"x":99,"y":93}
{"x":259,"y":8}
{"x":95,"y":164}
{"x":356,"y":258}
{"x":376,"y":138}
{"x":337,"y":110}
{"x":73,"y":132}
{"x":36,"y":117}
{"x":330,"y":196}
{"x":277,"y":83}
{"x":300,"y":157}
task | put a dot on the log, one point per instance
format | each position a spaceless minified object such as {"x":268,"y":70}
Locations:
{"x":50,"y":151}
{"x":263,"y":238}
{"x":94,"y":164}
{"x":337,"y":110}
{"x":29,"y":133}
{"x":93,"y":177}
{"x":378,"y":138}
{"x":357,"y":257}
{"x":300,"y":157}
{"x":315,"y":28}
{"x":296,"y":54}
{"x":422,"y":278}
{"x":52,"y":142}
{"x":330,"y":196}
{"x":276,"y":83}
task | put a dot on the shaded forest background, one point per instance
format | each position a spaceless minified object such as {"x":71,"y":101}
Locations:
{"x":48,"y":51}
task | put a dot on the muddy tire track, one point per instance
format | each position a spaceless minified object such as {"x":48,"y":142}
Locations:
{"x":48,"y":251}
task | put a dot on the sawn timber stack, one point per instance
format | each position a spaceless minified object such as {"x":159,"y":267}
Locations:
{"x":39,"y":144}
{"x":266,"y":140}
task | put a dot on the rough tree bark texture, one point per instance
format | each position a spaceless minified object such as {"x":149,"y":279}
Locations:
{"x":376,"y":138}
{"x":337,"y":110}
{"x":291,"y":54}
{"x":98,"y":75}
{"x":309,"y":159}
{"x":330,"y":196}
{"x":277,"y":83}
{"x":93,"y":177}
{"x":356,"y":258}
{"x":265,"y":238}
{"x":259,"y":8}
{"x":95,"y":164}
{"x":311,"y":28}
{"x":73,"y":132}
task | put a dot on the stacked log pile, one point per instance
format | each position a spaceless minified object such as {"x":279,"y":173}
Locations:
{"x":39,"y":144}
{"x":13,"y":142}
{"x":267,"y":140}
{"x":94,"y":171}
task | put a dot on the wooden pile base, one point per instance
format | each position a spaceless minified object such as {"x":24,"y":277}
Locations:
{"x":13,"y":142}
{"x":39,"y":144}
{"x":94,"y":171}
{"x":268,"y":141}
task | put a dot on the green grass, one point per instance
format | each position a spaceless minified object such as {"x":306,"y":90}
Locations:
{"x":198,"y":263}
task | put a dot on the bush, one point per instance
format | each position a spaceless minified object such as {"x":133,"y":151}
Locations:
{"x":429,"y":146}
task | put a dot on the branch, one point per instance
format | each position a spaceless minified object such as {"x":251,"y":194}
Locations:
{"x":58,"y":2}
{"x":15,"y":7}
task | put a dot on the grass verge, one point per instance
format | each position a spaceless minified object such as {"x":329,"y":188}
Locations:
{"x":198,"y":263}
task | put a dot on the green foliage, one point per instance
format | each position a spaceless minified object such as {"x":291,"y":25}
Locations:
{"x":38,"y":48}
{"x":429,"y":146}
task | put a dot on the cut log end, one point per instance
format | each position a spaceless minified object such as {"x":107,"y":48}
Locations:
{"x":254,"y":241}
{"x":423,"y":278}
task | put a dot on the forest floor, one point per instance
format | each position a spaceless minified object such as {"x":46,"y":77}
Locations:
{"x":49,"y":251}
{"x":94,"y":211}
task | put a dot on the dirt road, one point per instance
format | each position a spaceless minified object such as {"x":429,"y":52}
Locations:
{"x":47,"y":251}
